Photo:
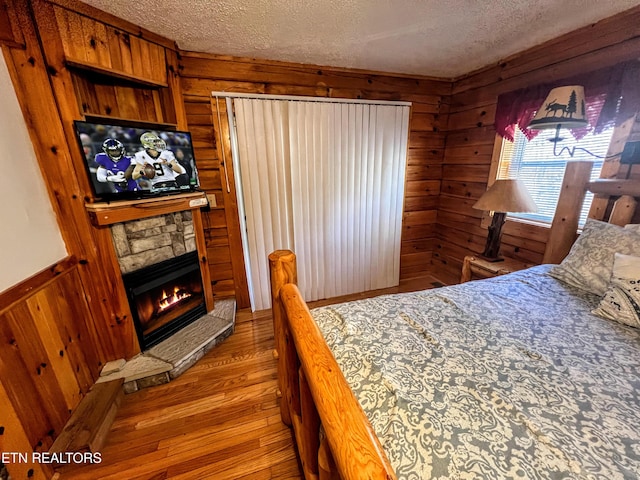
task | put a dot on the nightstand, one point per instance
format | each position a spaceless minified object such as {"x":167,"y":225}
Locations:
{"x":476,"y":267}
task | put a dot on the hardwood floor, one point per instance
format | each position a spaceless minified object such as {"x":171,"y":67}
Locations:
{"x":218,"y":420}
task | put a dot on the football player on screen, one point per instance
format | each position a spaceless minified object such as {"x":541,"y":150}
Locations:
{"x":115,"y":167}
{"x":156,"y":163}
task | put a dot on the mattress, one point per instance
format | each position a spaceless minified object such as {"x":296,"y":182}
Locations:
{"x":510,"y":377}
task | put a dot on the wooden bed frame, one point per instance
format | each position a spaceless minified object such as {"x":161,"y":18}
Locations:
{"x":312,"y":389}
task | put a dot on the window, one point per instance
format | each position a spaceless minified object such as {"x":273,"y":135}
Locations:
{"x":535,"y":164}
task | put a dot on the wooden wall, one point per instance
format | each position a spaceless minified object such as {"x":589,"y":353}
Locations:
{"x":470,"y":135}
{"x":68,"y":60}
{"x":74,"y":65}
{"x":48,"y":360}
{"x":201,"y":74}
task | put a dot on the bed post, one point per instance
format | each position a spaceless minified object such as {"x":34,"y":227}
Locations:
{"x":623,"y":210}
{"x":326,"y":466}
{"x":565,"y":222}
{"x":353,"y":444}
{"x":283,"y":270}
{"x":308,"y":429}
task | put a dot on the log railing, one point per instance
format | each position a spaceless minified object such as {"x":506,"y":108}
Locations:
{"x":314,"y":392}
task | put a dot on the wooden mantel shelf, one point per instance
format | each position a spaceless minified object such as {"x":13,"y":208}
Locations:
{"x":108,"y":213}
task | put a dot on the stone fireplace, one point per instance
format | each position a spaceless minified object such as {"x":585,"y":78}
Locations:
{"x":166,"y":236}
{"x":161,"y":274}
{"x":165,"y":297}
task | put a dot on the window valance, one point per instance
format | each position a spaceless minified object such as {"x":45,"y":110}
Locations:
{"x":612,"y":96}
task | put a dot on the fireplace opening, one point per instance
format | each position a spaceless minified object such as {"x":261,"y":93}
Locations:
{"x":165,"y":297}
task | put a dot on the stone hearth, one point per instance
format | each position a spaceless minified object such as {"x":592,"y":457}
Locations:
{"x":170,"y":358}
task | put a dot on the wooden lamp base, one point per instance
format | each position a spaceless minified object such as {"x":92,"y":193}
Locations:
{"x":492,"y":247}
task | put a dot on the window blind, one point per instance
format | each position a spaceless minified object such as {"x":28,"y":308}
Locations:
{"x":542,"y":172}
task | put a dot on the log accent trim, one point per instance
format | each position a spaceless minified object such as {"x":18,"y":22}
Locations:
{"x":574,"y":186}
{"x":354,"y":445}
{"x":614,"y":187}
{"x":623,"y":210}
{"x":565,"y":222}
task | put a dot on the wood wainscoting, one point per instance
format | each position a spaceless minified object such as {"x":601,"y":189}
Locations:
{"x":79,"y":61}
{"x":48,"y":360}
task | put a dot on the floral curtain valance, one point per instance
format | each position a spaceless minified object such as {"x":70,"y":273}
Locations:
{"x":612,"y":95}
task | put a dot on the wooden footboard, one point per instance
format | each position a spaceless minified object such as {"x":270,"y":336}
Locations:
{"x":314,"y":392}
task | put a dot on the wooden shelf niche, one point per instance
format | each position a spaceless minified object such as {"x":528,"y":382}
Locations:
{"x":114,"y":72}
{"x":92,"y":45}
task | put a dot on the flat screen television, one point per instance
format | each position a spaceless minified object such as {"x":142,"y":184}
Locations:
{"x":126,"y":161}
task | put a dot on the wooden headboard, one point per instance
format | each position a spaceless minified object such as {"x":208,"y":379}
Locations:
{"x":615,"y":201}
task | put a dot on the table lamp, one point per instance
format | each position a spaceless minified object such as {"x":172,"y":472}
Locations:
{"x":505,"y":195}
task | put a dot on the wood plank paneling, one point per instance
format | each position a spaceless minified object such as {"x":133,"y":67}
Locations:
{"x":468,"y":154}
{"x":238,"y":285}
{"x":89,"y":43}
{"x":9,"y":33}
{"x":202,"y":74}
{"x":220,"y":67}
{"x":450,"y":143}
{"x":14,"y":439}
{"x":122,"y":25}
{"x":51,"y":113}
{"x":602,"y":44}
{"x":59,"y":327}
{"x":213,"y":420}
{"x":470,"y":134}
{"x":47,"y":359}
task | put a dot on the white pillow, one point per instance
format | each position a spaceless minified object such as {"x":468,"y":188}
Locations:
{"x":589,"y":263}
{"x":621,"y":301}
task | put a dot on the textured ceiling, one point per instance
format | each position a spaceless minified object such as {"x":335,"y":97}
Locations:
{"x":442,"y":38}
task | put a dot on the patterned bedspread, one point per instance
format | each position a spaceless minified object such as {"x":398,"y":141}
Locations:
{"x":511,"y":377}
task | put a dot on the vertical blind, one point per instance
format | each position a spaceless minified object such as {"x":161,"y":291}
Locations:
{"x":327,"y":181}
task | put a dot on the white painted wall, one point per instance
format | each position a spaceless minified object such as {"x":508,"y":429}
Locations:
{"x":30,"y":239}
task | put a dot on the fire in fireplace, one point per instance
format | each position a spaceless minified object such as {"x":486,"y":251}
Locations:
{"x":169,"y":301}
{"x":165,"y":297}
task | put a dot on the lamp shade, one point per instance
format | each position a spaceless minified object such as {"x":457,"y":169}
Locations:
{"x":563,"y":105}
{"x":507,"y":195}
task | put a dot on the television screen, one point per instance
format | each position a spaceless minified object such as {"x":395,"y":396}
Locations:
{"x":125,"y":161}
